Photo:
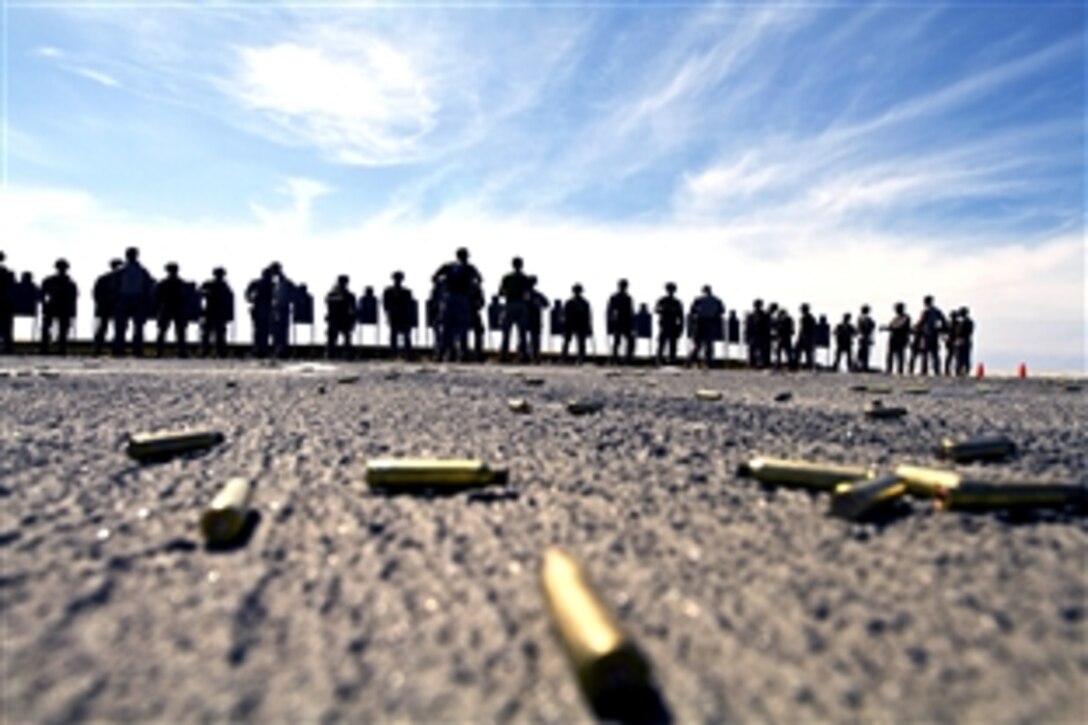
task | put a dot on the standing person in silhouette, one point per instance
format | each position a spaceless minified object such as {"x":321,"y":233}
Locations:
{"x":536,"y":303}
{"x":670,"y":324}
{"x":805,"y":352}
{"x":964,"y":342}
{"x":757,"y":335}
{"x":456,"y":280}
{"x":7,"y":307}
{"x":105,"y":303}
{"x":217,"y":312}
{"x":783,"y":327}
{"x":845,"y":332}
{"x":932,"y":324}
{"x":259,"y":297}
{"x":707,"y":312}
{"x":577,"y":323}
{"x":621,"y":322}
{"x":283,"y":297}
{"x":170,"y":310}
{"x":949,"y":335}
{"x":340,"y":309}
{"x":866,"y":328}
{"x":135,"y":296}
{"x":399,"y":304}
{"x":59,"y":295}
{"x":514,"y":290}
{"x":898,"y":329}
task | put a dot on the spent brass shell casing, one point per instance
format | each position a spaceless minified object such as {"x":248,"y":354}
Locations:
{"x":877,"y":410}
{"x":916,"y":390}
{"x":225,"y":518}
{"x":144,"y":446}
{"x":856,"y":499}
{"x":533,"y":382}
{"x":519,"y":405}
{"x":409,"y":473}
{"x":926,"y":482}
{"x":605,"y":660}
{"x":819,"y":476}
{"x":996,"y":495}
{"x":348,"y":380}
{"x":708,"y":394}
{"x":979,"y":448}
{"x":584,"y":407}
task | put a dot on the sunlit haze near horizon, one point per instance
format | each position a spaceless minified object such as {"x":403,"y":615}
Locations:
{"x":836,"y":153}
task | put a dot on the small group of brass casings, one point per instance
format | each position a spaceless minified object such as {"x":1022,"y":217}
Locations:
{"x":160,"y":445}
{"x":856,"y":490}
{"x":408,"y":474}
{"x":607,"y":663}
{"x":952,"y":491}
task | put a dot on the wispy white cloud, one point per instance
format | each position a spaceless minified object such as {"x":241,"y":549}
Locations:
{"x":97,"y":76}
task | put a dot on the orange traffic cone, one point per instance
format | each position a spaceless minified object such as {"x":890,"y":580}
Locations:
{"x":1022,"y":371}
{"x":980,"y":371}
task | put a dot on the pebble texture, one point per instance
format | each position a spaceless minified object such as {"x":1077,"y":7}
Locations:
{"x":347,"y":605}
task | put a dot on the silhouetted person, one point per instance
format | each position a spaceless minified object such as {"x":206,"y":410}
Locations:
{"x":476,"y":317}
{"x":536,"y":303}
{"x":965,"y":336}
{"x":7,"y":306}
{"x":670,"y":324}
{"x":135,"y":296}
{"x":898,"y":329}
{"x":805,"y":349}
{"x":707,"y":312}
{"x":284,"y":293}
{"x":259,"y":297}
{"x":783,"y":327}
{"x":170,"y":310}
{"x":514,"y":290}
{"x":217,"y":312}
{"x":732,"y":330}
{"x":340,"y":310}
{"x":105,"y":304}
{"x":577,"y":323}
{"x":59,"y":295}
{"x":951,"y":330}
{"x":495,"y":312}
{"x":621,"y":322}
{"x":456,"y":281}
{"x":866,"y":328}
{"x":933,"y":323}
{"x":823,"y":334}
{"x":757,"y":334}
{"x":399,"y":308}
{"x":27,"y":298}
{"x":366,"y":307}
{"x":555,"y":319}
{"x":845,"y":332}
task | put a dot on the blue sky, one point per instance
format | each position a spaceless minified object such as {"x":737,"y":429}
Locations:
{"x":835,"y":153}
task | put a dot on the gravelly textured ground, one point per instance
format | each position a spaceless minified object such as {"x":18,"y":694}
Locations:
{"x":752,"y":604}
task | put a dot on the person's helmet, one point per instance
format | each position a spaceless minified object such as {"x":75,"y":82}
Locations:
{"x":964,"y":312}
{"x":865,"y":309}
{"x":172,"y":268}
{"x":61,"y":264}
{"x":900,"y":307}
{"x":757,"y":304}
{"x":623,"y":284}
{"x":116,"y":264}
{"x":219,"y":273}
{"x":398,"y":276}
{"x":343,"y":280}
{"x":577,"y":289}
{"x":927,"y":300}
{"x":518,"y":263}
{"x":846,"y":317}
{"x":275,"y":268}
{"x":462,"y":254}
{"x":804,"y":307}
{"x":132,"y":254}
{"x":706,"y":289}
{"x":670,"y":286}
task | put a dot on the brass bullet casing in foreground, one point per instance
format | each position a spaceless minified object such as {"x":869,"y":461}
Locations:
{"x":856,"y":499}
{"x":877,"y":410}
{"x":819,"y":476}
{"x":708,"y":394}
{"x":606,"y":661}
{"x":979,"y":448}
{"x":995,"y":495}
{"x":413,"y":473}
{"x":926,"y":482}
{"x":584,"y":407}
{"x":225,"y":518}
{"x":519,"y":405}
{"x":144,"y":446}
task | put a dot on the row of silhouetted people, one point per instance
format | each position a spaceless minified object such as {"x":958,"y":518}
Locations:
{"x":127,"y":296}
